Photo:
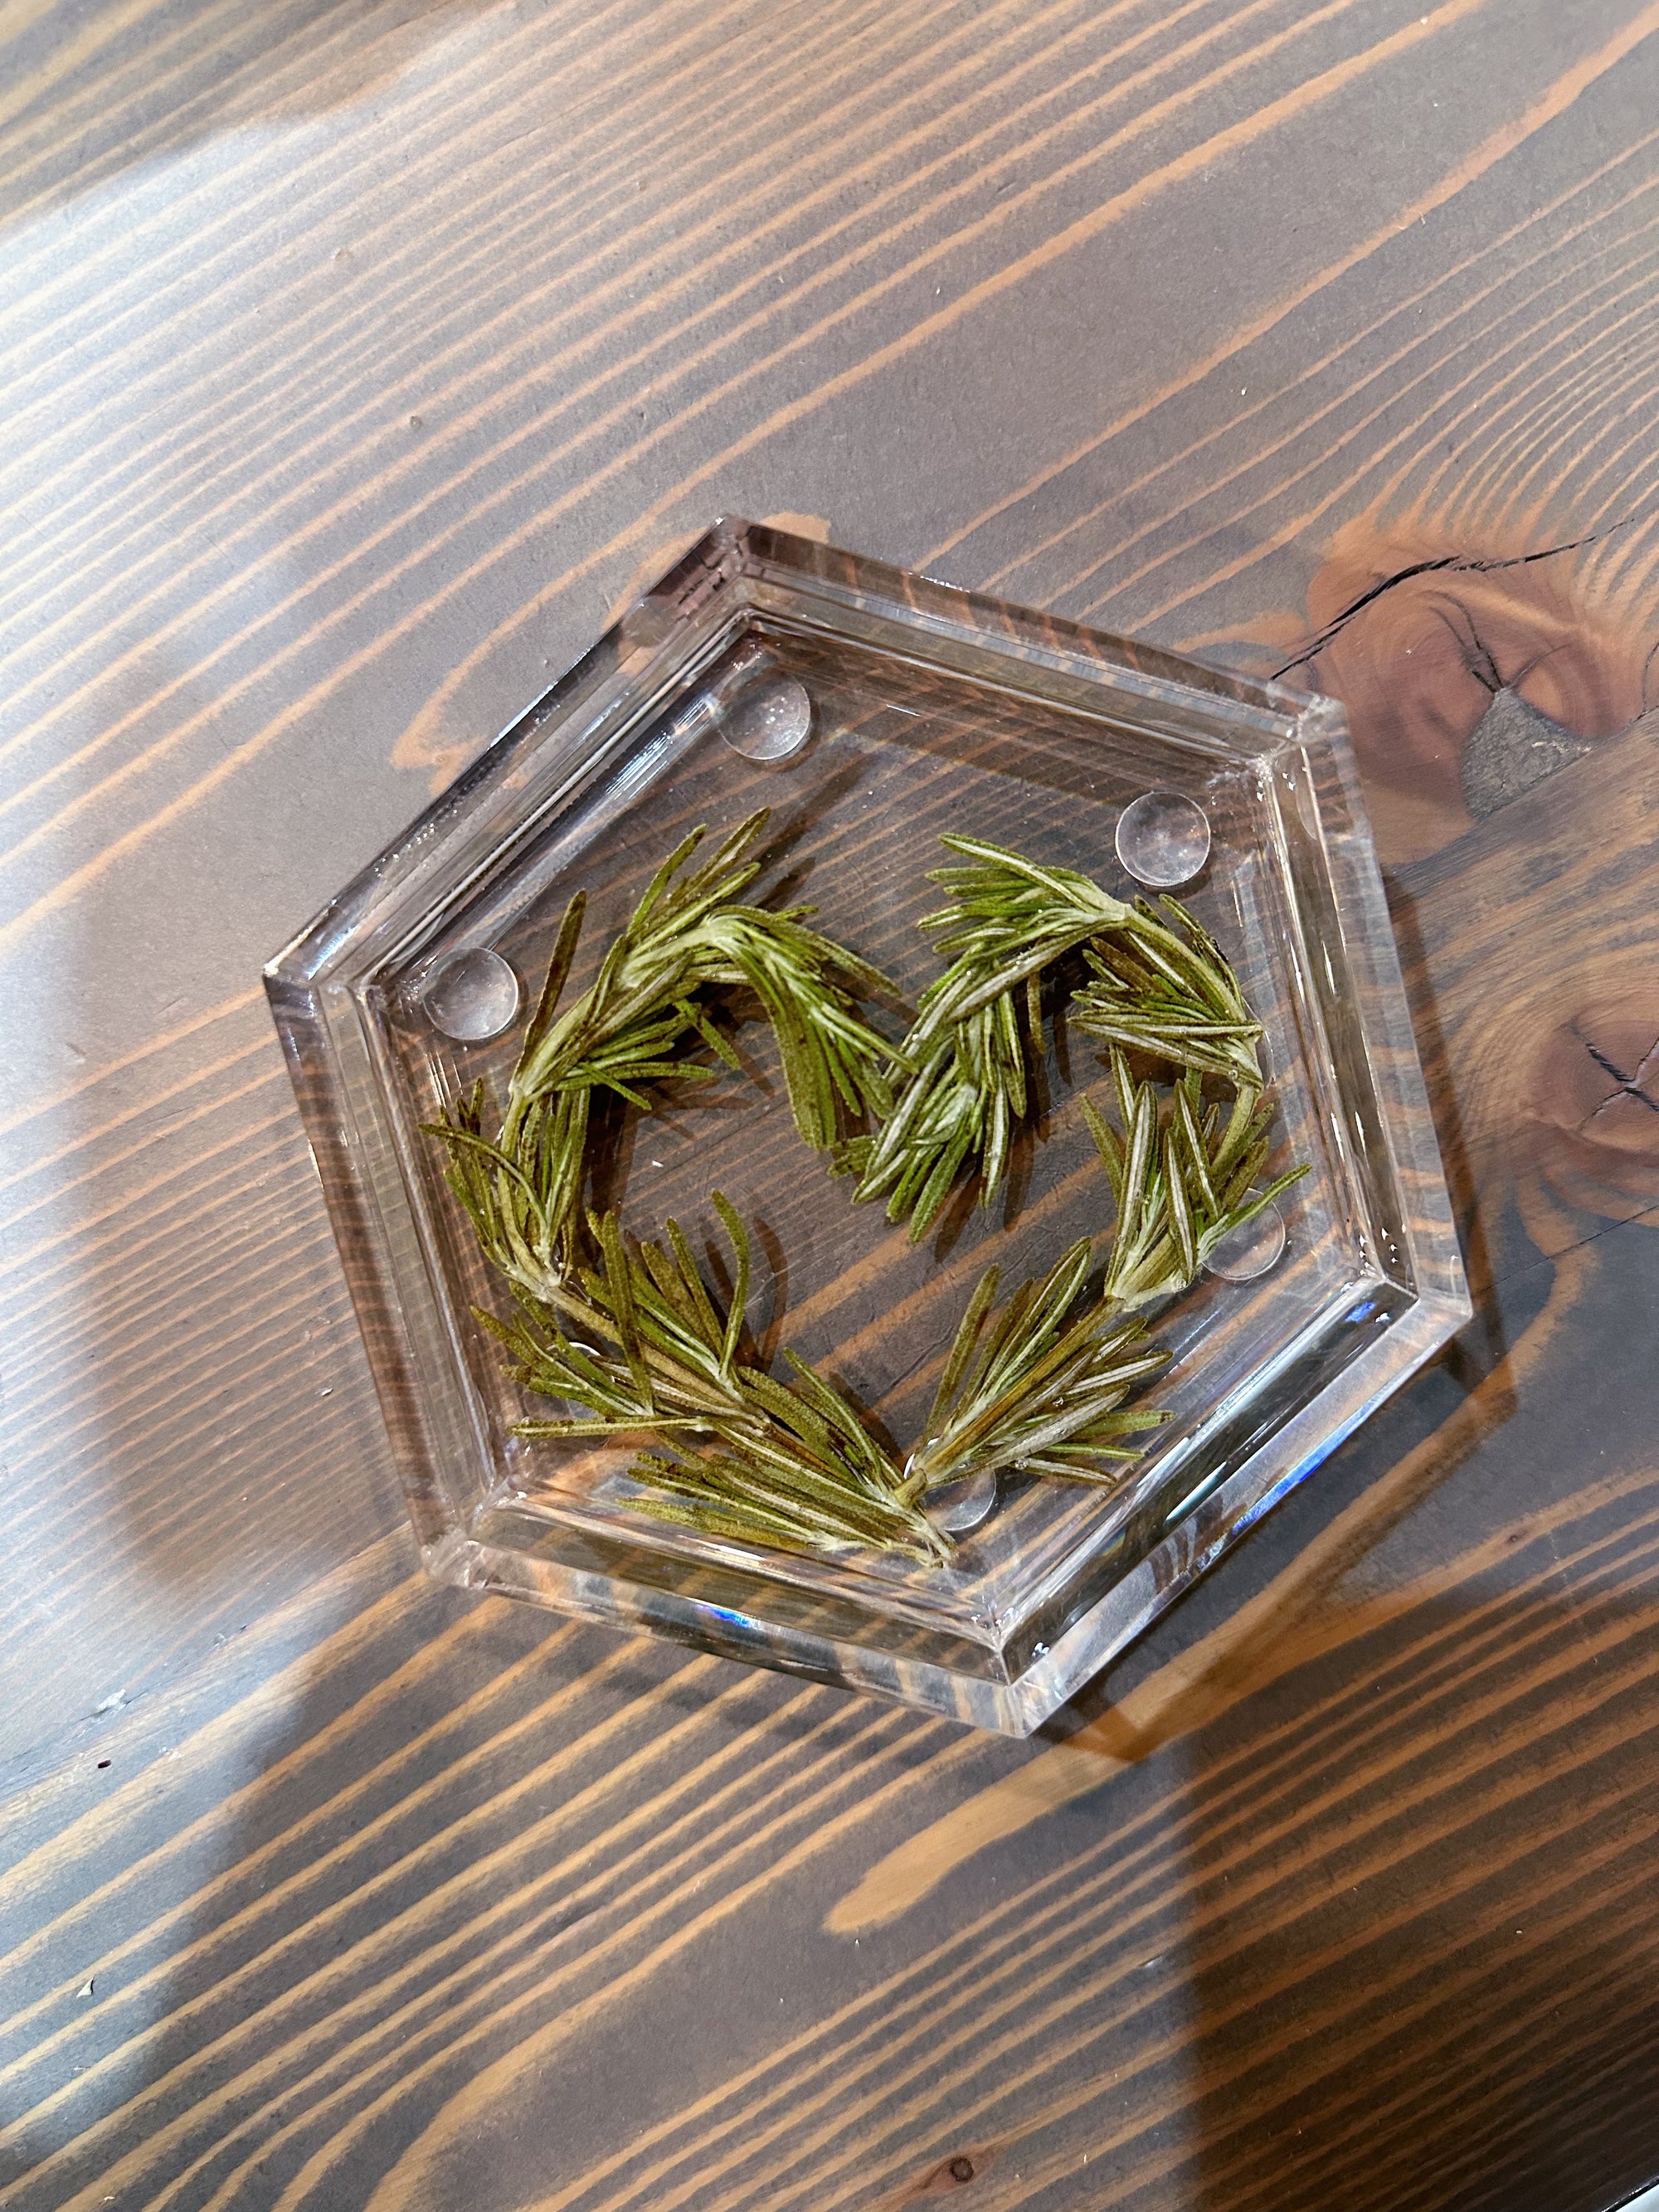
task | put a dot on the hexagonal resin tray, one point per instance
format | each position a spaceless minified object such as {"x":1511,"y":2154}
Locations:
{"x":871,"y":710}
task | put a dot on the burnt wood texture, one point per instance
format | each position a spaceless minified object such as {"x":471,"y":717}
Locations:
{"x":358,"y":362}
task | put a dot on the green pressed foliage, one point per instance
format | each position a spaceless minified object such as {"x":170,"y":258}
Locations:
{"x":634,"y":1342}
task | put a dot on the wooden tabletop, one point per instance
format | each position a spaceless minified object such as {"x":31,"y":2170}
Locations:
{"x":358,"y":361}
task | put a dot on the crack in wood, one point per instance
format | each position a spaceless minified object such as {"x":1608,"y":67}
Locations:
{"x":1628,"y":1086}
{"x":1466,"y":564}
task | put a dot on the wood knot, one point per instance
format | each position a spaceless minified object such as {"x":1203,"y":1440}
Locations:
{"x":950,"y":2175}
{"x":1470,"y":672}
{"x":1595,"y":1104}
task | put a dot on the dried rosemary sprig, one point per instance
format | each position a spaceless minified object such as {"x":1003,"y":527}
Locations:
{"x":1182,"y":1182}
{"x":1041,"y":1388}
{"x":1162,"y":985}
{"x":639,"y":1022}
{"x":746,"y":1457}
{"x":1008,"y":919}
{"x":1162,"y":988}
{"x":1159,"y":984}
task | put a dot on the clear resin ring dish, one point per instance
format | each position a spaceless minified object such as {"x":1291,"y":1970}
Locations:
{"x":926,"y":709}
